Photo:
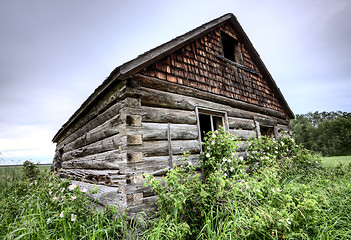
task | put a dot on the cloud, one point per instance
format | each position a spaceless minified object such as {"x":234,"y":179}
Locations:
{"x":23,"y":142}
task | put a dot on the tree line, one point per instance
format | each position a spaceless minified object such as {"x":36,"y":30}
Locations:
{"x":328,"y":133}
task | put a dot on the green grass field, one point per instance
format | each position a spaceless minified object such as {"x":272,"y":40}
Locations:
{"x":334,"y":161}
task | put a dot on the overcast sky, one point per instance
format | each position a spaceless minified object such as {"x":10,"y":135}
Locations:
{"x":54,"y":53}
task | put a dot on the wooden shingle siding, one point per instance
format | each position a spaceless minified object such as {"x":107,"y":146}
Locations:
{"x":197,"y":65}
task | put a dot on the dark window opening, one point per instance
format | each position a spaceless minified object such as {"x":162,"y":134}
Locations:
{"x":209,"y":123}
{"x":229,"y":45}
{"x":267,"y":131}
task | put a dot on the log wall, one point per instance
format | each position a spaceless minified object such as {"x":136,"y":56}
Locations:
{"x":168,"y":128}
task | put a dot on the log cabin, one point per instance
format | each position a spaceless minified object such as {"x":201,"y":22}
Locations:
{"x":155,"y":107}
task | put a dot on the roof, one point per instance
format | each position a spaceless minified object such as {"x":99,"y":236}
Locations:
{"x":129,"y":68}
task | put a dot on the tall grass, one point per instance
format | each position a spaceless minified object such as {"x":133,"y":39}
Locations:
{"x":314,"y":204}
{"x":48,"y":208}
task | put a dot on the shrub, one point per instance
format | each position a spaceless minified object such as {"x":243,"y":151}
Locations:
{"x":30,"y":170}
{"x":260,"y":197}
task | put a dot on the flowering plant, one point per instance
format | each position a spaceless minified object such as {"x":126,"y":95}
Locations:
{"x":220,"y":154}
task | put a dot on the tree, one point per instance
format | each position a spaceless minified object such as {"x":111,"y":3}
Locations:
{"x":328,"y":133}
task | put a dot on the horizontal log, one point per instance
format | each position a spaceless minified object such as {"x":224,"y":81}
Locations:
{"x":107,"y":144}
{"x":188,"y":102}
{"x":160,"y":148}
{"x":106,"y":160}
{"x":156,"y":98}
{"x":95,"y":122}
{"x":155,"y":83}
{"x":104,"y":195}
{"x":107,"y":129}
{"x":158,"y":163}
{"x":243,"y":134}
{"x":158,"y":131}
{"x":240,"y":123}
{"x":163,"y":115}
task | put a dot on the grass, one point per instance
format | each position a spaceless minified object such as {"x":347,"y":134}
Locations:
{"x":334,"y":161}
{"x":317,"y":205}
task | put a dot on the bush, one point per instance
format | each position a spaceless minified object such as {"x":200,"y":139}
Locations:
{"x":30,"y":170}
{"x":275,"y":193}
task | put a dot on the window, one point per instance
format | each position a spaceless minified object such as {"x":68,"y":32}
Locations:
{"x":209,"y":122}
{"x":230,"y":48}
{"x":267,"y":131}
{"x":266,"y":127}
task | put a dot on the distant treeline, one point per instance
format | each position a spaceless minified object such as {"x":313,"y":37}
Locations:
{"x":328,"y":133}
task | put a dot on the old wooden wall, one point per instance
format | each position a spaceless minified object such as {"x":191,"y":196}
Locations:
{"x":168,"y":127}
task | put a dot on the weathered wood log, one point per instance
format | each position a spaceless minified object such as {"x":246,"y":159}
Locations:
{"x":105,"y":195}
{"x":156,"y":98}
{"x":162,"y":115}
{"x":107,"y":144}
{"x":179,"y":101}
{"x":160,"y":148}
{"x":107,"y":129}
{"x":155,"y":83}
{"x":239,"y":123}
{"x":243,"y":134}
{"x":158,"y":131}
{"x":159,"y":163}
{"x":95,"y":122}
{"x":106,"y":160}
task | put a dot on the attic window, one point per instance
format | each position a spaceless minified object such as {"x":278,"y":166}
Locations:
{"x":229,"y":47}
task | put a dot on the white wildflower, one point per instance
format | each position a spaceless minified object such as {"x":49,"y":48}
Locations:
{"x":232,"y":169}
{"x":84,"y":190}
{"x":208,"y":155}
{"x":213,"y":142}
{"x":72,"y":186}
{"x":225,"y":174}
{"x":73,"y":198}
{"x":61,"y":214}
{"x":292,"y":140}
{"x":282,"y":143}
{"x":213,"y":135}
{"x":229,"y":160}
{"x":276,"y":152}
{"x":73,"y":217}
{"x":273,"y":190}
{"x":279,"y":190}
{"x":54,"y":198}
{"x":224,"y":159}
{"x":50,"y":192}
{"x":241,"y":158}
